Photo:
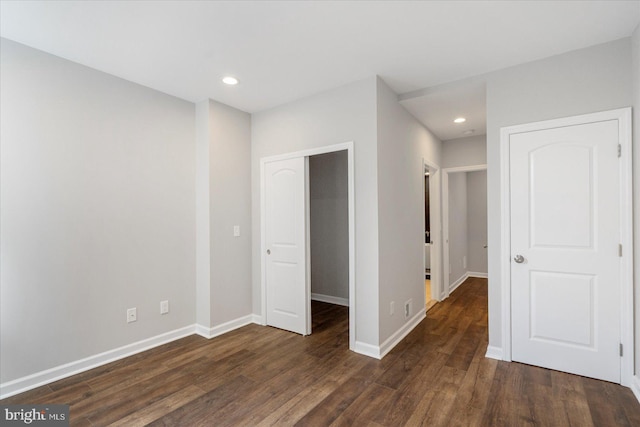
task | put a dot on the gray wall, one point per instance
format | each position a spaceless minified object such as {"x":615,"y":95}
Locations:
{"x":97,"y":214}
{"x":477,"y":221}
{"x":329,"y":216}
{"x":230,"y":205}
{"x":636,"y":184}
{"x":583,"y":81}
{"x":403,"y":143}
{"x":458,"y":230}
{"x":344,"y":114}
{"x":469,"y":151}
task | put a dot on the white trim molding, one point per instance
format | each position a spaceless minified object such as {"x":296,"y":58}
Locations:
{"x":494,"y":352}
{"x":623,"y":116}
{"x":48,"y":376}
{"x":367,"y":349}
{"x":225,"y":327}
{"x":68,"y":369}
{"x":330,"y":299}
{"x":457,"y":283}
{"x":477,"y":275}
{"x":378,"y":352}
{"x":399,"y":335}
{"x":635,"y":386}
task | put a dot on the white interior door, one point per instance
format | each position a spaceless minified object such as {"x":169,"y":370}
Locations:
{"x":565,"y":266}
{"x":285,"y":241}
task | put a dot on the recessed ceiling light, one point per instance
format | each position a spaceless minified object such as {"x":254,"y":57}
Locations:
{"x":460,"y":120}
{"x":230,"y":80}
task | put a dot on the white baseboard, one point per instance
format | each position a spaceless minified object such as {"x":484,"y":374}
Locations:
{"x":41,"y":378}
{"x":38,"y":379}
{"x":330,"y":299}
{"x":635,"y":387}
{"x":257,"y":319}
{"x":478,"y":275}
{"x":367,"y":349}
{"x":378,"y":352}
{"x":494,"y":352}
{"x":394,"y":339}
{"x":458,"y":282}
{"x":229,"y":326}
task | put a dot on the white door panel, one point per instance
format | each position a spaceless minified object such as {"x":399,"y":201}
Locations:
{"x":285,"y":256}
{"x":565,"y":219}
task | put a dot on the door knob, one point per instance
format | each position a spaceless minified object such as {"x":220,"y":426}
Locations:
{"x":268,"y":251}
{"x":519,"y":259}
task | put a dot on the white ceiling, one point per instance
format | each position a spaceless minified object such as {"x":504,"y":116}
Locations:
{"x":282,"y":51}
{"x":437,"y":109}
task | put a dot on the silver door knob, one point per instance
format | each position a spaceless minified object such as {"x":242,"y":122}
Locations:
{"x":268,"y":251}
{"x":519,"y":259}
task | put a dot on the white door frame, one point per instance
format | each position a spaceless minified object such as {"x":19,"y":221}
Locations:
{"x":435,"y":199}
{"x":623,"y":116}
{"x":445,"y":217}
{"x":348,"y":146}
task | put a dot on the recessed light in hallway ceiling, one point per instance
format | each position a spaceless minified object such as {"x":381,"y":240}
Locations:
{"x":230,"y":80}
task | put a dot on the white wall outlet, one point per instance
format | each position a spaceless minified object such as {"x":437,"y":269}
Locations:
{"x":236,"y":231}
{"x":164,"y":307}
{"x":408,"y":308}
{"x":132,"y":315}
{"x":392,"y":308}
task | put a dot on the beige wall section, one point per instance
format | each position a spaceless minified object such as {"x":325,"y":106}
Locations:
{"x":329,"y":218}
{"x":469,"y":151}
{"x":635,"y":56}
{"x":594,"y":79}
{"x":97,"y":215}
{"x":347,"y":113}
{"x":403,"y":143}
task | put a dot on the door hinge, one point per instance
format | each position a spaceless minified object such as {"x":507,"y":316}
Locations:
{"x":619,"y":249}
{"x":621,"y":351}
{"x":619,"y":150}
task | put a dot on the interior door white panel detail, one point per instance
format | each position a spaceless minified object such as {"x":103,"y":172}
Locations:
{"x":565,"y":221}
{"x":285,"y":242}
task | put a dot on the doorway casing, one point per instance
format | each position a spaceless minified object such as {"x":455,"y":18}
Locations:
{"x":623,"y":116}
{"x":436,"y":235}
{"x":445,"y":219}
{"x":346,"y":146}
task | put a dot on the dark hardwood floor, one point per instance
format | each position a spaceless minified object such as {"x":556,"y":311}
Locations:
{"x":260,"y":376}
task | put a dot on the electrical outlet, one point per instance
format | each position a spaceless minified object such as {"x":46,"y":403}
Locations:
{"x":132,"y":315}
{"x":236,"y":231}
{"x":408,"y":308}
{"x":164,"y":307}
{"x":392,"y":308}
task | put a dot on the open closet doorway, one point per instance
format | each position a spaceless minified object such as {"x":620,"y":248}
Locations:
{"x":431,"y":240}
{"x":465,"y":224}
{"x":329,"y":241}
{"x":430,"y":301}
{"x":297,"y":226}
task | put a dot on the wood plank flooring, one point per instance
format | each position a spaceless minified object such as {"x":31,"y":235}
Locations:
{"x":261,"y":376}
